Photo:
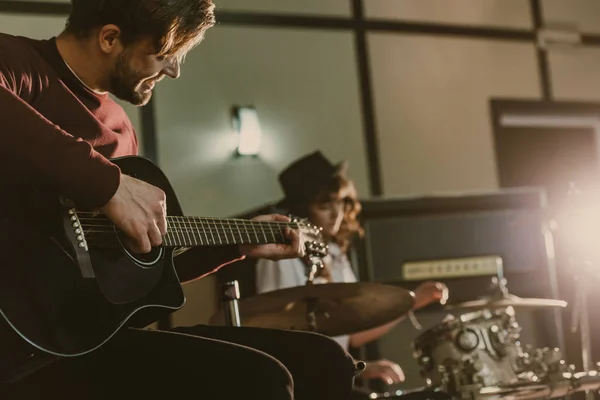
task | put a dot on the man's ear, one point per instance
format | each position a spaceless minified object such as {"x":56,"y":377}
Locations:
{"x":109,"y":39}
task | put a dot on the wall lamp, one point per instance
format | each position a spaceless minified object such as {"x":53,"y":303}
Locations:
{"x":247,"y":124}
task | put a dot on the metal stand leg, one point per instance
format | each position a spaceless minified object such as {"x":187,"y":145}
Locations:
{"x":230,"y":294}
{"x":581,"y":321}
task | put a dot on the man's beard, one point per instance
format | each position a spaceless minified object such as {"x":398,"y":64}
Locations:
{"x":124,"y":83}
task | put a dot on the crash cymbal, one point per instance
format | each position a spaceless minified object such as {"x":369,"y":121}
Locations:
{"x":339,"y":308}
{"x":507,"y":300}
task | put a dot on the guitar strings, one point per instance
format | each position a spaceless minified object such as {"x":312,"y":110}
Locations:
{"x":193,"y":230}
{"x":203,"y":220}
{"x":198,"y":230}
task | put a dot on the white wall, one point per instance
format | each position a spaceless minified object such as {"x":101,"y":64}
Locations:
{"x":575,"y":73}
{"x":499,"y":13}
{"x":431,"y":97}
{"x":304,"y":7}
{"x":584,"y":14}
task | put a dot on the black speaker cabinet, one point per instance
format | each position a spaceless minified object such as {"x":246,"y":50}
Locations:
{"x":508,"y":225}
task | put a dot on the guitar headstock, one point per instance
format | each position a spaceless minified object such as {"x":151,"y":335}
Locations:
{"x":313,"y":237}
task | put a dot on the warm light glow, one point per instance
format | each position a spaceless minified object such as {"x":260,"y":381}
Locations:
{"x":247,"y":124}
{"x":578,"y":224}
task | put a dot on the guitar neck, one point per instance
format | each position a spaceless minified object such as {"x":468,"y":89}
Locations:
{"x":196,"y":231}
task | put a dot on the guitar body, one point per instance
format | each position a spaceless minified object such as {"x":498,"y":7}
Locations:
{"x":61,"y":299}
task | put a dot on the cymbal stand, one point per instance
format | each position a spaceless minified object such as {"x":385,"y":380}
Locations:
{"x":316,"y":264}
{"x":311,"y":317}
{"x":499,"y":287}
{"x":580,"y":320}
{"x":230,"y":294}
{"x":312,"y":269}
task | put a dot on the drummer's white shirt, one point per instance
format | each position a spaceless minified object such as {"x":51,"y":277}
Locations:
{"x":274,"y":275}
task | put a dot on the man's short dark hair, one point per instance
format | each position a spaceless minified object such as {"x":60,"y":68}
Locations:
{"x":173,"y":25}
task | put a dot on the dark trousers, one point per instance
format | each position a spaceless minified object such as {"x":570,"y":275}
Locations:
{"x":200,"y":362}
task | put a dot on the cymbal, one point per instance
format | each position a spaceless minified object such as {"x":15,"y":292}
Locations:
{"x":340,"y":308}
{"x":507,"y":300}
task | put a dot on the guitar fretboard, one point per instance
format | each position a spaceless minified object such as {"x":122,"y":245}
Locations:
{"x":194,"y":231}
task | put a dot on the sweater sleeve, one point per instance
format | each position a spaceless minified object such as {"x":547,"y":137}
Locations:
{"x":32,"y":146}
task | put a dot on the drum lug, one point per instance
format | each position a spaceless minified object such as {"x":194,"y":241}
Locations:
{"x":472,"y":367}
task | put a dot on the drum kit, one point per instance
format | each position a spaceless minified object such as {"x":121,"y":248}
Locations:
{"x":476,"y":354}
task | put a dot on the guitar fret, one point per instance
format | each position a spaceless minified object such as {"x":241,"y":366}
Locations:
{"x":184,"y":232}
{"x":181,"y":231}
{"x":193,"y":231}
{"x":222,"y":231}
{"x":264,"y":233}
{"x":229,"y":230}
{"x":256,"y":235}
{"x":198,"y":232}
{"x":171,"y":232}
{"x":238,"y":229}
{"x":168,"y":240}
{"x":247,"y":233}
{"x":210,"y":231}
{"x":272,"y":233}
{"x":177,"y":232}
{"x":217,"y":229}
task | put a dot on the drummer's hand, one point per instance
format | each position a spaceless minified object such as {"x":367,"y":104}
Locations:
{"x":386,"y":370}
{"x":429,"y":292}
{"x":294,"y":249}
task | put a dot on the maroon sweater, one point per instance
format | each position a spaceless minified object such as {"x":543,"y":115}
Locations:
{"x":57,"y":132}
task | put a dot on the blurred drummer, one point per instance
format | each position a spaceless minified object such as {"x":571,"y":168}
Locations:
{"x":320,"y":191}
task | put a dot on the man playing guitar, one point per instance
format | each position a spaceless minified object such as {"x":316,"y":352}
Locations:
{"x":60,"y":129}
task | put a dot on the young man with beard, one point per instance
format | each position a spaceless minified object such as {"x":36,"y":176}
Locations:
{"x":59,"y":128}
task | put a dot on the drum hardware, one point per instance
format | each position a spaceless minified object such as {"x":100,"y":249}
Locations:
{"x":559,"y":386}
{"x":503,"y":299}
{"x":475,"y":350}
{"x":421,"y":393}
{"x":359,"y":366}
{"x":313,"y":267}
{"x":478,"y":355}
{"x":230,"y":295}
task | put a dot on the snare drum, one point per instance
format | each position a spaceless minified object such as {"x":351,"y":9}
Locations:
{"x":475,"y":350}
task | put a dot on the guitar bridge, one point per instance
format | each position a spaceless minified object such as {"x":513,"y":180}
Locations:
{"x":76,"y":238}
{"x":77,"y":230}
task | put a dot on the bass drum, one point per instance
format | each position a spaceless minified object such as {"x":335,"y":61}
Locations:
{"x":475,"y":350}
